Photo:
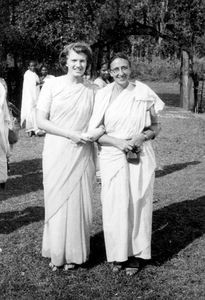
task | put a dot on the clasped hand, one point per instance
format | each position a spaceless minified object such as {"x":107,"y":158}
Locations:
{"x":90,"y":136}
{"x":129,"y":144}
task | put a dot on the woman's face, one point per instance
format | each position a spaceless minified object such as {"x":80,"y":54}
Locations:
{"x":76,"y":63}
{"x":120,"y":71}
{"x":104,"y":72}
{"x":44,"y":71}
{"x":32,"y":66}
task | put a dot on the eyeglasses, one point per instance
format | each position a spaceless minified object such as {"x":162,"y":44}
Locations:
{"x":123,"y":69}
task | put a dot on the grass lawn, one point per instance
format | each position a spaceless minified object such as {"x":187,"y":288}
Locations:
{"x":177,"y":268}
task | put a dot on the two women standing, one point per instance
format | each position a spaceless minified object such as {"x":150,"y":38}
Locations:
{"x":128,"y":113}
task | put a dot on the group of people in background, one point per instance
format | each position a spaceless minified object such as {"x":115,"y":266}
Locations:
{"x":76,"y":115}
{"x":32,"y":84}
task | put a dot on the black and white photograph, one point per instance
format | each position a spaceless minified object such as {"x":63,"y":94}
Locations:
{"x":102,"y":149}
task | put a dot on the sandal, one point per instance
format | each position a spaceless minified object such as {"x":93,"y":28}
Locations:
{"x":69,"y":267}
{"x":116,"y":267}
{"x":131,"y":271}
{"x":133,"y":266}
{"x":53,"y":267}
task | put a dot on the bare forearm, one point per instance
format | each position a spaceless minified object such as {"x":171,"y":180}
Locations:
{"x":106,"y":140}
{"x":51,"y":128}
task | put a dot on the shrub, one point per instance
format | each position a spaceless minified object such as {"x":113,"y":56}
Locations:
{"x":156,"y":69}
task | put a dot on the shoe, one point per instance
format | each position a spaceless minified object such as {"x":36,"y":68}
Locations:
{"x":69,"y":267}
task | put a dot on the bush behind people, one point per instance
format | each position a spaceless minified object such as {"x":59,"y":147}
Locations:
{"x":156,"y":69}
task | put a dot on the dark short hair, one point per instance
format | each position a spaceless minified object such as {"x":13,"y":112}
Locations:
{"x":119,"y":55}
{"x":43,"y":66}
{"x":78,"y":47}
{"x":32,"y":61}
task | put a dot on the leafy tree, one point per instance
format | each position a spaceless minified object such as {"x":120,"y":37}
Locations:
{"x":42,"y":27}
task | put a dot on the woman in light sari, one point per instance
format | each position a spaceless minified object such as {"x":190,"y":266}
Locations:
{"x":129,"y":114}
{"x":4,"y":128}
{"x":30,"y":95}
{"x":64,"y":109}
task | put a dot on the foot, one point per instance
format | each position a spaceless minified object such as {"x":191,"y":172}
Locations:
{"x":132,"y":266}
{"x":131,"y":271}
{"x":69,"y":267}
{"x":116,"y":266}
{"x":53,"y":267}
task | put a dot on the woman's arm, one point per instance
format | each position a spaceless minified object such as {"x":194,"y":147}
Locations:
{"x":121,"y":144}
{"x":150,"y":132}
{"x":45,"y":124}
{"x":155,"y":126}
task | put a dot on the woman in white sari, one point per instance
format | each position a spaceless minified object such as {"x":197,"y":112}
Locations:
{"x":64,"y":109}
{"x":128,"y":112}
{"x":30,"y":95}
{"x":4,"y":127}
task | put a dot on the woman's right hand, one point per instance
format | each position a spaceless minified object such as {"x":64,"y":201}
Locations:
{"x":124,"y":145}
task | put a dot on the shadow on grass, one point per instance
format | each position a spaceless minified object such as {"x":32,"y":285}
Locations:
{"x":170,"y":99}
{"x":174,"y":228}
{"x":25,"y":177}
{"x":11,"y":221}
{"x":181,"y":223}
{"x":168,"y":169}
{"x":25,"y":167}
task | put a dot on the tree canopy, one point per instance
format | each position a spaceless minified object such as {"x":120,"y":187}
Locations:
{"x":42,"y":27}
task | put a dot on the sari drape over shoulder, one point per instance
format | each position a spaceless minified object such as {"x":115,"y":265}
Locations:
{"x":4,"y":124}
{"x":127,"y":189}
{"x":30,"y":95}
{"x":68,"y":171}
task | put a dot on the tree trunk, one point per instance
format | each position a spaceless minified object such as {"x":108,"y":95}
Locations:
{"x":186,"y":83}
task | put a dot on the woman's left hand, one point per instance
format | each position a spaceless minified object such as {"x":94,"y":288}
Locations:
{"x":138,"y":140}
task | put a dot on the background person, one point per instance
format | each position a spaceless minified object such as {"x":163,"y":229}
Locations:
{"x":44,"y":76}
{"x":64,"y":109}
{"x":104,"y":76}
{"x":4,"y":129}
{"x":30,"y":95}
{"x":126,"y":110}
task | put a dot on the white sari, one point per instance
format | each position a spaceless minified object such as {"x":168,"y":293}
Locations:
{"x":68,"y":172}
{"x":4,"y":143}
{"x":30,"y":95}
{"x":127,"y":189}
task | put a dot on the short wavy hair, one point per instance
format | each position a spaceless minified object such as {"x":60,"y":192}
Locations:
{"x":119,"y":55}
{"x":78,"y":47}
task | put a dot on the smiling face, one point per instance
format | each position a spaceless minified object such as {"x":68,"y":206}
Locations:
{"x":120,"y":71}
{"x":44,"y":71}
{"x":76,"y":63}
